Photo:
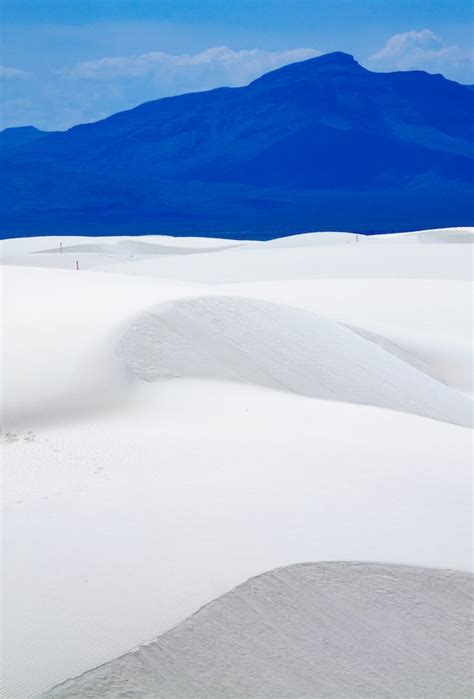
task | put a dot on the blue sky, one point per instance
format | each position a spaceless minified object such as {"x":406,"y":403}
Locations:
{"x":71,"y":61}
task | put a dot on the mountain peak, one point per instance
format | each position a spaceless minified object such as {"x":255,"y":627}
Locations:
{"x":336,"y":58}
{"x":14,"y":136}
{"x":337,"y":62}
{"x":334,"y":61}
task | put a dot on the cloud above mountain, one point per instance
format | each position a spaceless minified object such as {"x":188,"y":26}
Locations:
{"x":198,"y":71}
{"x":420,"y":50}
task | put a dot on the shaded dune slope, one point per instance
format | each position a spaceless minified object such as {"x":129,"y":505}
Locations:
{"x":308,"y":630}
{"x":139,"y":247}
{"x":249,"y":340}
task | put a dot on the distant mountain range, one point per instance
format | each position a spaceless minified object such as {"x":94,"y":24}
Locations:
{"x":319,"y":145}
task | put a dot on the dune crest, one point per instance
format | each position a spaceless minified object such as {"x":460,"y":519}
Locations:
{"x":250,"y":340}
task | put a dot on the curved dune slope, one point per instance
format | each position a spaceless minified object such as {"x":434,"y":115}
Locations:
{"x":310,"y":630}
{"x":372,"y":260}
{"x":139,"y":247}
{"x":447,"y":235}
{"x":436,"y":235}
{"x":244,"y":339}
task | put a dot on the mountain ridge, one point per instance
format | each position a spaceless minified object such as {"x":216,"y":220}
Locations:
{"x":259,"y":158}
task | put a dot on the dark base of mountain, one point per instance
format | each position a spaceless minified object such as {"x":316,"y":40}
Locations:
{"x":216,"y":211}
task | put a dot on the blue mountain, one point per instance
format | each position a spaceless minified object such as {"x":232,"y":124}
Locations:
{"x":17,"y":136}
{"x":320,"y":144}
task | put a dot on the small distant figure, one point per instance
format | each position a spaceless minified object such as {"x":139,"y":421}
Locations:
{"x":77,"y":264}
{"x":60,"y":247}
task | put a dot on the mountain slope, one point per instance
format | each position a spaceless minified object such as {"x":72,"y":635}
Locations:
{"x":290,"y":151}
{"x":18,"y":135}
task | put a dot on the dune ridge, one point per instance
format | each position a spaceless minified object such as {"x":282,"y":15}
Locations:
{"x":250,"y":340}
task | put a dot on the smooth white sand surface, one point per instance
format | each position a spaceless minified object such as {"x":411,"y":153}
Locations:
{"x":394,"y":260}
{"x":164,"y":440}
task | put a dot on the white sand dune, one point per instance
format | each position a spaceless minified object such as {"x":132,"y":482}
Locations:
{"x":313,"y":630}
{"x":324,"y":238}
{"x":226,"y":337}
{"x":306,"y":256}
{"x":310,"y":239}
{"x":164,"y":440}
{"x":75,"y":366}
{"x":60,"y":331}
{"x":130,"y":247}
{"x":437,"y":330}
{"x":90,"y":253}
{"x":352,"y":261}
{"x":36,"y":244}
{"x":121,"y":523}
{"x":67,"y":260}
{"x":447,"y":235}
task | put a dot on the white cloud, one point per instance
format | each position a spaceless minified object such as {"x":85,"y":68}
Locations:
{"x":210,"y":68}
{"x":7,"y":73}
{"x":422,"y":50}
